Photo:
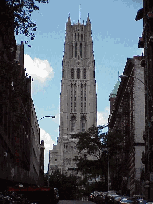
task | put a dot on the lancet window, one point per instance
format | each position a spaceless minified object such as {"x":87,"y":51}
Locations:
{"x":78,"y":73}
{"x":83,"y":124}
{"x":84,"y":73}
{"x":72,"y":73}
{"x":73,"y":121}
{"x":75,"y":49}
{"x":81,"y":50}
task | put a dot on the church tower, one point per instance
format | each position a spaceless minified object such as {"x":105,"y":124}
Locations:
{"x":78,"y":98}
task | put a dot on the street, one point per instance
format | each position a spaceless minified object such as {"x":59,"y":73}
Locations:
{"x":74,"y":202}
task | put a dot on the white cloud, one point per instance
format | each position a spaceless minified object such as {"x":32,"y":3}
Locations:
{"x":48,"y":143}
{"x":38,"y":69}
{"x":102,"y":117}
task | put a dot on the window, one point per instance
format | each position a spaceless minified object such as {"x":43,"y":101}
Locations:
{"x":72,"y":73}
{"x":74,"y":106}
{"x":84,"y":107}
{"x":63,"y":73}
{"x":81,"y":107}
{"x":81,"y":37}
{"x":78,"y":73}
{"x":75,"y":36}
{"x":78,"y":36}
{"x":73,"y":119}
{"x":93,"y":74}
{"x":83,"y":124}
{"x":75,"y":49}
{"x":84,"y":73}
{"x":81,"y":50}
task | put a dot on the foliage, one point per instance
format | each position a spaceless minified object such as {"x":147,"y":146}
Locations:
{"x":67,"y":185}
{"x":95,"y":144}
{"x":22,"y":10}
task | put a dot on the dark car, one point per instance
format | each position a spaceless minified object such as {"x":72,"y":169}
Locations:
{"x":98,"y":198}
{"x":149,"y":202}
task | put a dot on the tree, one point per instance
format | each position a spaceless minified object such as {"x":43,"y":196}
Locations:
{"x":95,"y":148}
{"x":22,"y":10}
{"x":67,"y":185}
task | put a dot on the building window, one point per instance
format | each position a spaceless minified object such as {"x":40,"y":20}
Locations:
{"x":81,"y":50}
{"x":93,"y":74}
{"x":75,"y":36}
{"x":75,"y":49}
{"x":84,"y":107}
{"x":72,"y":73}
{"x":73,"y":120}
{"x":81,"y":37}
{"x":84,"y":73}
{"x":83,"y":124}
{"x":63,"y":73}
{"x":78,"y":36}
{"x":81,"y":107}
{"x":74,"y":106}
{"x":78,"y":73}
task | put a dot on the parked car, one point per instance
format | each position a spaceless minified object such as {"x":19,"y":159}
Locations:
{"x":141,"y":201}
{"x":117,"y":199}
{"x":149,"y":202}
{"x":127,"y":200}
{"x":99,"y":198}
{"x":91,"y":197}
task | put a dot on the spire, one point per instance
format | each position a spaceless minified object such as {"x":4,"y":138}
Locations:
{"x":69,"y":20}
{"x":80,"y":13}
{"x":88,"y":20}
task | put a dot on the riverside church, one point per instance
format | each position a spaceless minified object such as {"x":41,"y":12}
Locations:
{"x":78,"y":98}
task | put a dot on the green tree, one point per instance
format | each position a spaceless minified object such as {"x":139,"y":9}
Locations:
{"x":67,"y":185}
{"x":22,"y":10}
{"x":102,"y":146}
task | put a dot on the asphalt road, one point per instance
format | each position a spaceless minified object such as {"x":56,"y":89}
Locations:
{"x":74,"y":202}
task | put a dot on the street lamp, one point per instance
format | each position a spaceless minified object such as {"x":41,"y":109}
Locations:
{"x":47,"y":116}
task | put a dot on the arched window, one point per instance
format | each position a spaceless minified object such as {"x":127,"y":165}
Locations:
{"x":81,"y":50}
{"x":84,"y":73}
{"x":75,"y":49}
{"x":78,"y":73}
{"x":72,"y":73}
{"x":81,"y":37}
{"x":83,"y":124}
{"x":73,"y":120}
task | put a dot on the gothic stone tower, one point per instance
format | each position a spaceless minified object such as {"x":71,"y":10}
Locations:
{"x":78,"y":98}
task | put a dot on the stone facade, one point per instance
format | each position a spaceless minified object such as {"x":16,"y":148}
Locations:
{"x":78,"y":98}
{"x":128,"y":117}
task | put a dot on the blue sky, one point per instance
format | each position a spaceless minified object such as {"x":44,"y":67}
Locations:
{"x":115,"y":36}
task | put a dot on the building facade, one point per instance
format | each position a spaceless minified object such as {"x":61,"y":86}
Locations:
{"x":16,"y":138}
{"x":78,"y":98}
{"x":128,"y":118}
{"x":146,"y":42}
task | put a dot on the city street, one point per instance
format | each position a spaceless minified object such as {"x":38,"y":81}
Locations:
{"x":74,"y":202}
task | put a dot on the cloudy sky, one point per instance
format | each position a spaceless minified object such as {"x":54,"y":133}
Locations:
{"x":115,"y":36}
